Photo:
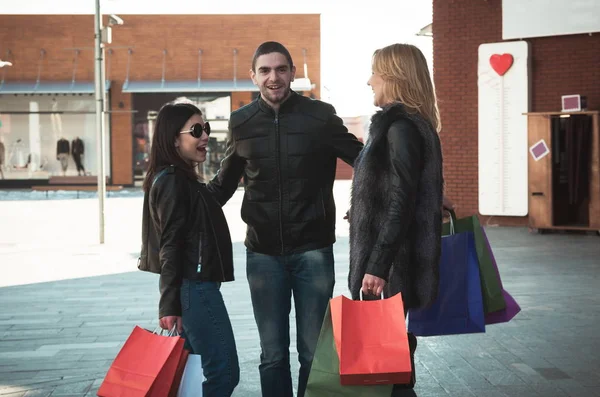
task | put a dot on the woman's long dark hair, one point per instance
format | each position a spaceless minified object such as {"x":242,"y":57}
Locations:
{"x":169,"y":123}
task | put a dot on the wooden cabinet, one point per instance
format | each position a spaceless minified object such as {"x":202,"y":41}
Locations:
{"x":564,"y":185}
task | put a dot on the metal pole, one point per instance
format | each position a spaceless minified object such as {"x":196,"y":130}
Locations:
{"x":99,"y":91}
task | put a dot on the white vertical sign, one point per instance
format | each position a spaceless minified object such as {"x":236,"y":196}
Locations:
{"x":503,"y":83}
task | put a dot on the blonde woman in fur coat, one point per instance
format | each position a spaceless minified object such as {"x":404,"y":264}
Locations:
{"x":397,"y":190}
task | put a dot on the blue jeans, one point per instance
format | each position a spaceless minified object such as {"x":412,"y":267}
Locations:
{"x":207,"y":331}
{"x":309,"y":277}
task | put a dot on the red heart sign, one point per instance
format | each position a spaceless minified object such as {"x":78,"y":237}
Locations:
{"x":501,"y":63}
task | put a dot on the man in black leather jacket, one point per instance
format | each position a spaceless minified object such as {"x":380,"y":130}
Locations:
{"x":285,"y":146}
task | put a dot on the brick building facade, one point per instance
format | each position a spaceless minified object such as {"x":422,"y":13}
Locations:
{"x":60,"y":48}
{"x":560,"y":65}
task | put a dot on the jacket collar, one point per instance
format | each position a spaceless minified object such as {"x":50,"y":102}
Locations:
{"x":287,"y":104}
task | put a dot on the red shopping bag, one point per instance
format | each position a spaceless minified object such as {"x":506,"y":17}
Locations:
{"x":167,"y":377}
{"x":179,"y":373}
{"x":371,"y":341}
{"x":145,"y":366}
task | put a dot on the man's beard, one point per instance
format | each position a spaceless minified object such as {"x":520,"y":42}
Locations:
{"x":276,"y":98}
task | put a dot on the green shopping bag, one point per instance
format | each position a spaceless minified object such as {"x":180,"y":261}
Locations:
{"x":324,"y":377}
{"x":493,"y":299}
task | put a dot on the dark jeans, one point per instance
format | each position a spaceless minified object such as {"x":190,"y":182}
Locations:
{"x":208,"y":332}
{"x":309,"y":277}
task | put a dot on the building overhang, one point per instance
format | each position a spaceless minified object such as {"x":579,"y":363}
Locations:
{"x":48,"y":87}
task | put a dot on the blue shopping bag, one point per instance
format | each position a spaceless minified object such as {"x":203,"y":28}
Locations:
{"x":458,"y":308}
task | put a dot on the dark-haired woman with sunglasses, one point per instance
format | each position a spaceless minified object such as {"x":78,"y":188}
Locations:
{"x":186,"y":240}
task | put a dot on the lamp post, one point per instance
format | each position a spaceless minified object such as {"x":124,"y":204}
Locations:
{"x":102,"y":35}
{"x":99,"y":91}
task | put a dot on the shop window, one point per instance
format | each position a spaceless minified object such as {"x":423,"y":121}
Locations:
{"x":45,"y":136}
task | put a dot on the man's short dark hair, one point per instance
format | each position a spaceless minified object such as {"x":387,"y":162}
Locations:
{"x":267,"y":48}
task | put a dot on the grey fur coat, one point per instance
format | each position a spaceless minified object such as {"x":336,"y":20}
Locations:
{"x":412,"y":267}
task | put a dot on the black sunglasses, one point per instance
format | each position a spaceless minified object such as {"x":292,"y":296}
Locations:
{"x":196,"y":130}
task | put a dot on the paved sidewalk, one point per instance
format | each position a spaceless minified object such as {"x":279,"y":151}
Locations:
{"x":67,"y":305}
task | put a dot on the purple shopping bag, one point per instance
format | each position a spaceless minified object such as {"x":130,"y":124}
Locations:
{"x":512,"y":307}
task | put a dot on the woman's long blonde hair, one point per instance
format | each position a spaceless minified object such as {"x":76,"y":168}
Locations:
{"x":406,"y":80}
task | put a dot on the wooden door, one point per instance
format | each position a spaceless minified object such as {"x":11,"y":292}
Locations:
{"x":540,"y":173}
{"x":595,"y":175}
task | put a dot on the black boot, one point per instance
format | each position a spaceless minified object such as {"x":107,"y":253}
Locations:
{"x":412,"y":346}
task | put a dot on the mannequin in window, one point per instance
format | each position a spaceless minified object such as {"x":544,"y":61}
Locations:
{"x":62,"y":154}
{"x":16,"y":155}
{"x":77,"y":149}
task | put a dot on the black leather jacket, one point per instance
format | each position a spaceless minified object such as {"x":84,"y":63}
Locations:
{"x":184,"y":235}
{"x":405,"y":154}
{"x":288,"y":161}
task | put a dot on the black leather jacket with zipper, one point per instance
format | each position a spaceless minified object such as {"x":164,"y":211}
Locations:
{"x":287,"y":160}
{"x":184,"y":235}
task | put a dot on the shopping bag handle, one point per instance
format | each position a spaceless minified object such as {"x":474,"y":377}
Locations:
{"x":361,"y":295}
{"x":452,"y":219}
{"x":172,"y":332}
